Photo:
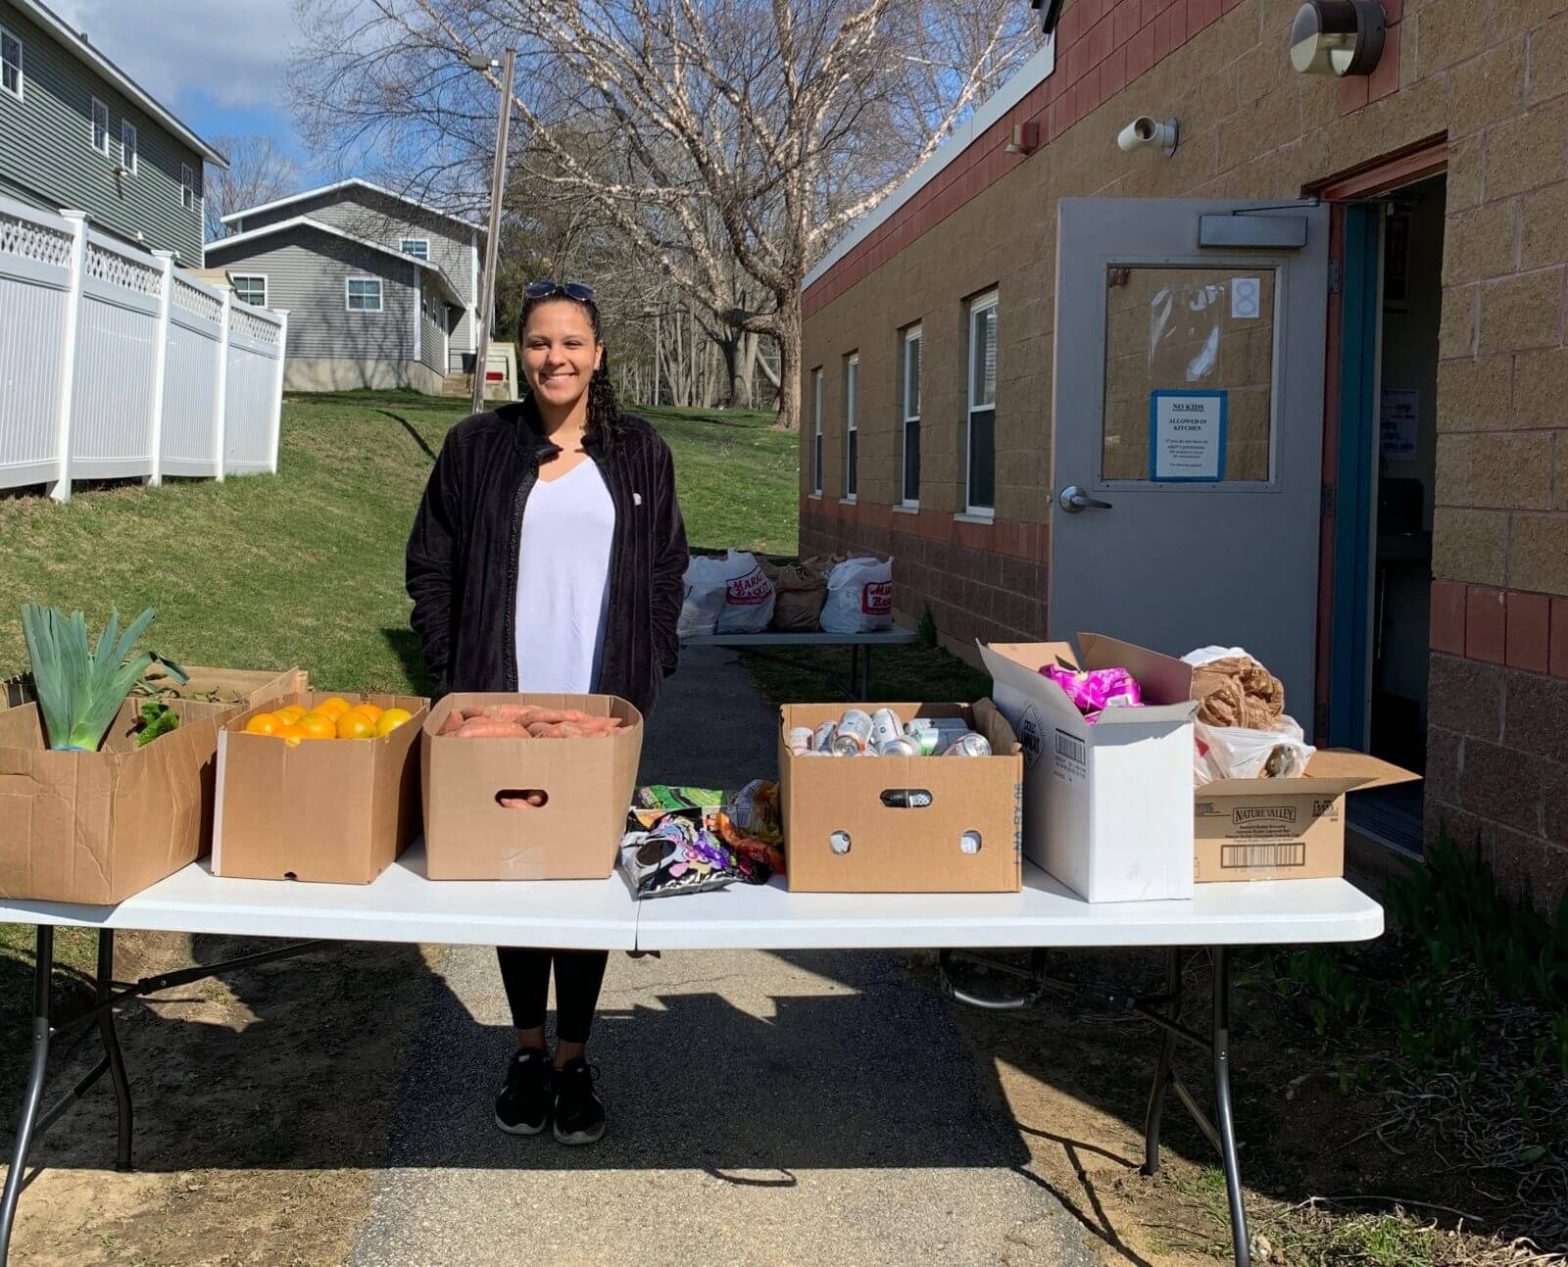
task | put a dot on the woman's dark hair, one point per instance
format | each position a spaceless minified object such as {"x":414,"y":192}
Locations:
{"x":603,"y":409}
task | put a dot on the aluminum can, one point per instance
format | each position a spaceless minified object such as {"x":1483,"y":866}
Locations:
{"x":907,"y":798}
{"x":898,"y":746}
{"x":853,"y":733}
{"x":799,"y":739}
{"x":969,"y":745}
{"x":885,"y":726}
{"x":822,"y":740}
{"x":925,"y":741}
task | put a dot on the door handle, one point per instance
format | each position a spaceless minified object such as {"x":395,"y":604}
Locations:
{"x":1074,"y":499}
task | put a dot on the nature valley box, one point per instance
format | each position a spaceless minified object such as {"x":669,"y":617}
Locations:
{"x":902,"y":824}
{"x":334,"y":811}
{"x":97,"y":827}
{"x":586,"y":785}
{"x":1283,"y":829}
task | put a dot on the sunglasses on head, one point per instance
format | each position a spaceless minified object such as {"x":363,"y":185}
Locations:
{"x":582,"y":293}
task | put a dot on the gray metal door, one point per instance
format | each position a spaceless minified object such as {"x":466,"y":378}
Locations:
{"x":1188,"y":434}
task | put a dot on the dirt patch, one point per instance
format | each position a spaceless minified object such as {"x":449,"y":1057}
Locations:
{"x":1075,"y":1074}
{"x":263,"y":1101}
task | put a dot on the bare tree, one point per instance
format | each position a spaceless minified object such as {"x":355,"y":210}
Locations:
{"x":729,"y":141}
{"x":260,"y":170}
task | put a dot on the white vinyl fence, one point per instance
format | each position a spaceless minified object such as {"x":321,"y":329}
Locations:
{"x":114,"y":364}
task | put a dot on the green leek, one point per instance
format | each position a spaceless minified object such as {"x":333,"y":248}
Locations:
{"x":80,"y":687}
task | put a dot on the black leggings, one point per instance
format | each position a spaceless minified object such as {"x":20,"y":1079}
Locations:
{"x":578,"y":976}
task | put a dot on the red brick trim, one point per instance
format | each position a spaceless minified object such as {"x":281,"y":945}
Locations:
{"x":1518,"y":628}
{"x":1101,"y":47}
{"x":1012,"y":538}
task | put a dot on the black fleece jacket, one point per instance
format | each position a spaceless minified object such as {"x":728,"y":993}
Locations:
{"x":463,"y":553}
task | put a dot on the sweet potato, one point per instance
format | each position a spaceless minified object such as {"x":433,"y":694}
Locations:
{"x":487,"y":729}
{"x":453,"y":722}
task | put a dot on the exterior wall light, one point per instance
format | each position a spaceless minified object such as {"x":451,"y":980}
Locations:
{"x":1337,"y":37}
{"x":1025,"y":138}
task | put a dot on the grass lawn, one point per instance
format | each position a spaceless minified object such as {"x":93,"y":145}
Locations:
{"x":306,"y":568}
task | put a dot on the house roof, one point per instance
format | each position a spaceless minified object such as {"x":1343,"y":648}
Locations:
{"x":1029,"y":76}
{"x":346,"y":184}
{"x":305,"y":222}
{"x":76,"y":44}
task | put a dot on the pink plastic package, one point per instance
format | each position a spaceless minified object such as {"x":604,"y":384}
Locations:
{"x":1096,"y":690}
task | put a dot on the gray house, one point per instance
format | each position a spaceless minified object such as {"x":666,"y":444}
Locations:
{"x":77,"y":132}
{"x":380,"y":288}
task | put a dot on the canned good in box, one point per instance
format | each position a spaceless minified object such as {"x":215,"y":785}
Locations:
{"x":853,"y":733}
{"x":969,"y":744}
{"x":885,"y":727}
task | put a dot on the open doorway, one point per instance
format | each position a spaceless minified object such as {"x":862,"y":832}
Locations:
{"x":1398,"y":409}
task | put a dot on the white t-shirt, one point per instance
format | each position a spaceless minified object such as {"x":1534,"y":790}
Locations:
{"x":563,"y":582}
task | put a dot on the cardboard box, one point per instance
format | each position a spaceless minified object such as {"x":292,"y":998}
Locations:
{"x":1108,"y":806}
{"x":575,"y":835}
{"x":98,"y":827}
{"x":244,"y":688}
{"x":1284,"y":829}
{"x":328,"y":811}
{"x":896,"y":848}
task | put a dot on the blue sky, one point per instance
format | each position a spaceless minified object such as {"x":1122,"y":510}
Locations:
{"x":218,"y":64}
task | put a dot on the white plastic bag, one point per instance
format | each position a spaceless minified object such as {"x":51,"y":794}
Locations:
{"x":1229,"y":752}
{"x":860,"y":596}
{"x":704,"y":601}
{"x":1207,"y":655}
{"x":749,"y":596}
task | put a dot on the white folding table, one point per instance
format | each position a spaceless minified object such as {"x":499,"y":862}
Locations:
{"x":859,"y":644}
{"x":402,"y":905}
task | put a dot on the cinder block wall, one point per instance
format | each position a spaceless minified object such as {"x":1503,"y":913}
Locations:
{"x":1491,"y":75}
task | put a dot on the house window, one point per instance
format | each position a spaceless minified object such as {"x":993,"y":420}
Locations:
{"x":364,"y":294}
{"x":419,"y":248}
{"x":187,"y":187}
{"x":100,"y":127}
{"x":851,"y":427}
{"x":909,"y":391}
{"x":130,"y":148}
{"x":816,"y":432}
{"x":980,"y":439}
{"x":10,"y":64}
{"x":250,"y":288}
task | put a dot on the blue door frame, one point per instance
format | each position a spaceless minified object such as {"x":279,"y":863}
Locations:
{"x":1356,"y":478}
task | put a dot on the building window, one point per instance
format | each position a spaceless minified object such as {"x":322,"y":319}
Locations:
{"x":419,"y":248}
{"x":10,"y":64}
{"x":816,"y":432}
{"x":909,"y":393}
{"x":130,"y":148}
{"x":851,"y":427}
{"x":187,"y":187}
{"x":100,"y":127}
{"x":980,"y":439}
{"x":364,"y":294}
{"x":250,"y":288}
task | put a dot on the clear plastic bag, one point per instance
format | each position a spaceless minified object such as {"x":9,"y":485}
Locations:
{"x":1229,"y":752}
{"x":704,"y":600}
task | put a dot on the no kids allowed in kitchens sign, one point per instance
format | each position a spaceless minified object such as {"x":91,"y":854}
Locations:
{"x":1187,"y":435}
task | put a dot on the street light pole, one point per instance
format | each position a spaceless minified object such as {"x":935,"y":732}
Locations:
{"x":485,"y":313}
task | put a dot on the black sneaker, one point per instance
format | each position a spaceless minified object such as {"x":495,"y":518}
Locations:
{"x":523,"y":1107}
{"x":579,"y":1113}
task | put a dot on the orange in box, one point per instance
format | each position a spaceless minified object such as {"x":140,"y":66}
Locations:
{"x":336,"y":811}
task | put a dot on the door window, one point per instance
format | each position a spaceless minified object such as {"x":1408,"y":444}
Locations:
{"x":1189,"y":370}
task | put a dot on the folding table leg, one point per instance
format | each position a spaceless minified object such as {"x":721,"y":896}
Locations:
{"x":43,"y":967}
{"x":1163,"y":1074}
{"x":111,"y":1046}
{"x":1220,"y":958}
{"x":863,"y":691}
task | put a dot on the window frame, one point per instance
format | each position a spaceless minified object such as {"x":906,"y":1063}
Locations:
{"x":402,"y":245}
{"x":816,"y":431}
{"x":107,"y":148}
{"x":236,"y":278}
{"x":851,"y":485}
{"x":910,"y":334}
{"x":348,"y":294}
{"x":130,"y":158}
{"x":20,"y":91}
{"x":187,"y":187}
{"x":989,"y":301}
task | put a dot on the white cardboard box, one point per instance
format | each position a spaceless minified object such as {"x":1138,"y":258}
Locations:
{"x":1108,"y":807}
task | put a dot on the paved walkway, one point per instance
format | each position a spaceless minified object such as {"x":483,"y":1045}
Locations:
{"x":795,"y":1108}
